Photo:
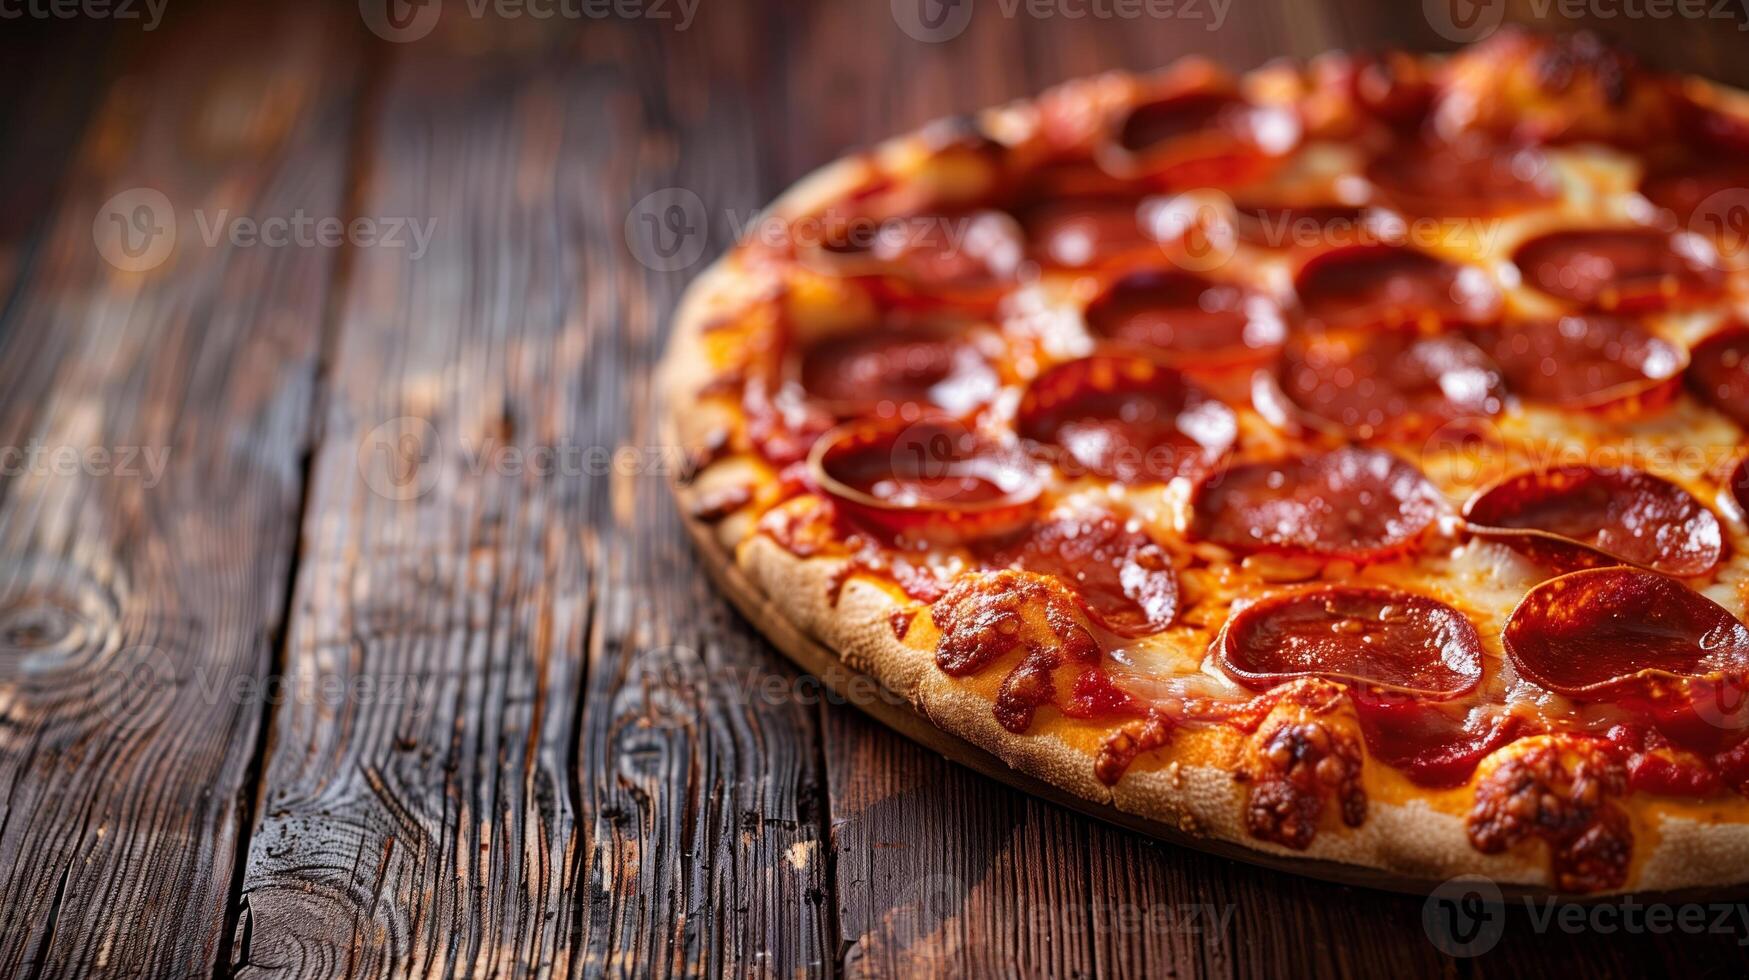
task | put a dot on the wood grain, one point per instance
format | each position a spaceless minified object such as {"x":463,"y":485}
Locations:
{"x":699,"y":754}
{"x":484,"y":826}
{"x":140,"y":592}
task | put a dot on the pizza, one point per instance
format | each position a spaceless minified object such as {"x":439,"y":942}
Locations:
{"x":1340,"y":465}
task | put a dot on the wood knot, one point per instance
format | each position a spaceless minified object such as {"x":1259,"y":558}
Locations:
{"x":50,"y":612}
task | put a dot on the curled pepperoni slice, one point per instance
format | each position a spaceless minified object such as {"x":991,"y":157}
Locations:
{"x":1387,"y":286}
{"x":975,"y":253}
{"x":1119,"y":575}
{"x":1682,"y":190}
{"x":1370,"y":383}
{"x":1738,"y":484}
{"x":1190,"y":320}
{"x":1374,"y":637}
{"x":1126,"y":419}
{"x":1621,"y":268}
{"x":1583,"y":361}
{"x":1201,"y":138}
{"x":925,"y":481}
{"x":1462,"y":179}
{"x":1360,"y":504}
{"x":1605,"y":633}
{"x":1075,"y":234}
{"x":1575,"y":517}
{"x":876,"y":370}
{"x":1718,"y":373}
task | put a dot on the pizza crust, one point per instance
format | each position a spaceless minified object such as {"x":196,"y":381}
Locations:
{"x":1173,"y":792}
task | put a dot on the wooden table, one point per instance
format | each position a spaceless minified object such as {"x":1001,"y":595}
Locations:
{"x":318,"y":669}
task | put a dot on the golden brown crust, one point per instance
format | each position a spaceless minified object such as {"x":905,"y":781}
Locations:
{"x":1181,"y":784}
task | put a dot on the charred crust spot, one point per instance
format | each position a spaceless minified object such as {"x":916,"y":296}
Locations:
{"x":1301,"y":762}
{"x":985,"y":617}
{"x":1559,"y":793}
{"x":1122,"y":746}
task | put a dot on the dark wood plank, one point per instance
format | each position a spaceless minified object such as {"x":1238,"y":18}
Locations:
{"x":140,"y":592}
{"x":699,"y":755}
{"x":483,"y":825}
{"x":416,"y":815}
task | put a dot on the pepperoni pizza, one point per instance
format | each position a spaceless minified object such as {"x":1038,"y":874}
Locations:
{"x":1339,"y":461}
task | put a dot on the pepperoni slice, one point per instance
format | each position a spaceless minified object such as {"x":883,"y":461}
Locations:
{"x":875,"y":370}
{"x":1298,"y":225}
{"x":925,"y":481}
{"x":1574,"y":517}
{"x":971,"y":252}
{"x":1621,"y":268}
{"x":1738,"y":484}
{"x":1682,"y":189}
{"x":1462,"y":179}
{"x":1200,"y":138}
{"x":1126,"y":419}
{"x":1605,"y":633}
{"x":1370,"y":636}
{"x":1075,"y":234}
{"x":1120,"y":576}
{"x":1718,"y":373}
{"x":1370,"y":383}
{"x":1360,"y":504}
{"x":1192,"y":321}
{"x":1388,"y":286}
{"x":1583,"y":361}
